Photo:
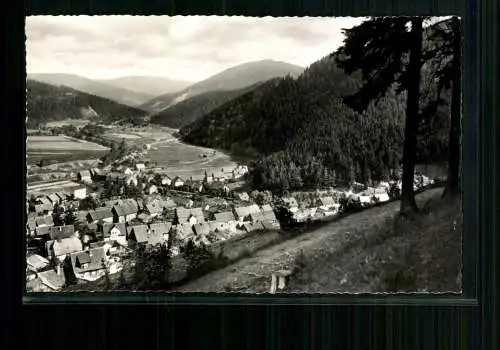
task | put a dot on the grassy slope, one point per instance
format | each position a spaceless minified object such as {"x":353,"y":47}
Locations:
{"x":365,"y":252}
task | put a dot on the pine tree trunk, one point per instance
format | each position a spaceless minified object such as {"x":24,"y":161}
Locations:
{"x":408,"y":204}
{"x":452,"y":188}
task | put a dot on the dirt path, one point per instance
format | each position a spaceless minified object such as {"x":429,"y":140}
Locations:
{"x":252,"y":274}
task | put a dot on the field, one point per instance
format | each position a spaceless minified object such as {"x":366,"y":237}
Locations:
{"x":75,"y":122}
{"x":61,"y":148}
{"x":183,"y":160}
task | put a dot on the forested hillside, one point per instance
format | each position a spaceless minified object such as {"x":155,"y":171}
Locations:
{"x":187,"y":111}
{"x":302,"y":134}
{"x":46,"y":103}
{"x":118,"y":93}
{"x":234,"y":78}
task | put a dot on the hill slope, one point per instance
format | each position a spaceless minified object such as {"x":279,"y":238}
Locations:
{"x":47,"y":102}
{"x":234,"y":78}
{"x":116,"y":93}
{"x":188,"y":111}
{"x":152,"y":86}
{"x":302,"y":134}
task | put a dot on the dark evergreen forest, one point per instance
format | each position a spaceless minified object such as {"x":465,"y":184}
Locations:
{"x":301,"y":133}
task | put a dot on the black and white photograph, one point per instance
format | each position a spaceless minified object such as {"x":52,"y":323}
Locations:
{"x":261,"y":155}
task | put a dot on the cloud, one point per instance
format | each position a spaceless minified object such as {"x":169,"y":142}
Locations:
{"x":186,"y":48}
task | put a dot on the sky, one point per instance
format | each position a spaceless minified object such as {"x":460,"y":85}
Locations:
{"x":189,"y":48}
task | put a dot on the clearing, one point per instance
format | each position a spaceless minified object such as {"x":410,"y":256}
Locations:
{"x":365,"y":252}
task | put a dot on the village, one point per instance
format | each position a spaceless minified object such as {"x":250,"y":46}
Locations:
{"x":91,"y":225}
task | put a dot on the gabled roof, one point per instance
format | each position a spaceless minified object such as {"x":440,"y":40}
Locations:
{"x":44,"y":200}
{"x":266,"y":207}
{"x":243,"y":196}
{"x":243,"y":212}
{"x":52,"y":280}
{"x":100,"y":214}
{"x":154,"y":207}
{"x":42,"y":230}
{"x":140,"y":233}
{"x":93,"y":257}
{"x":53,"y":198}
{"x":177,"y":178}
{"x":84,"y":173}
{"x":67,"y":246}
{"x":60,"y":232}
{"x":155,"y":237}
{"x":253,"y":226}
{"x":201,"y":228}
{"x":126,"y":208}
{"x":107,"y":227}
{"x":257,"y":217}
{"x":81,"y":216}
{"x":184,"y":231}
{"x":269,"y":216}
{"x":184,"y":214}
{"x":224,"y":216}
{"x":161,"y":227}
{"x":327,"y":201}
{"x":37,"y":262}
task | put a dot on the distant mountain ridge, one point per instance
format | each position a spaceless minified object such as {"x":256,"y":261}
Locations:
{"x":119,"y":94}
{"x":193,"y":108}
{"x":152,"y":86}
{"x":234,"y":78}
{"x":46,"y":102}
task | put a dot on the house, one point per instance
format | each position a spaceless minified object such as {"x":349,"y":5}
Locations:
{"x":131,"y":181}
{"x":365,"y":199}
{"x":140,"y":166}
{"x":113,"y":232}
{"x":225,"y":216}
{"x":42,"y":231}
{"x":54,"y":279}
{"x":326,"y":202}
{"x":124,"y":212}
{"x":151,"y":189}
{"x":84,"y":176}
{"x":243,"y":213}
{"x":31,"y":226}
{"x":162,"y":228}
{"x":36,"y":262}
{"x":127,"y":171}
{"x":202,"y":228}
{"x":154,"y":208}
{"x":239,"y":171}
{"x":184,"y":231}
{"x":257,"y":216}
{"x":46,"y":220}
{"x":191,"y":216}
{"x":62,"y":196}
{"x":97,"y":174}
{"x":382,"y":197}
{"x":270,"y":219}
{"x":61,"y":232}
{"x":165,"y":180}
{"x":54,"y":199}
{"x":103,"y":213}
{"x":177,"y":182}
{"x":45,"y":208}
{"x":89,"y":265}
{"x":252,"y":226}
{"x":43,"y":200}
{"x":242,"y":196}
{"x":141,"y":234}
{"x":291,"y":204}
{"x":80,"y":193}
{"x":60,"y":249}
{"x":81,"y":216}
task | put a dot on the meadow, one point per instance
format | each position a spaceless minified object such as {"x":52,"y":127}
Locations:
{"x":61,"y":148}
